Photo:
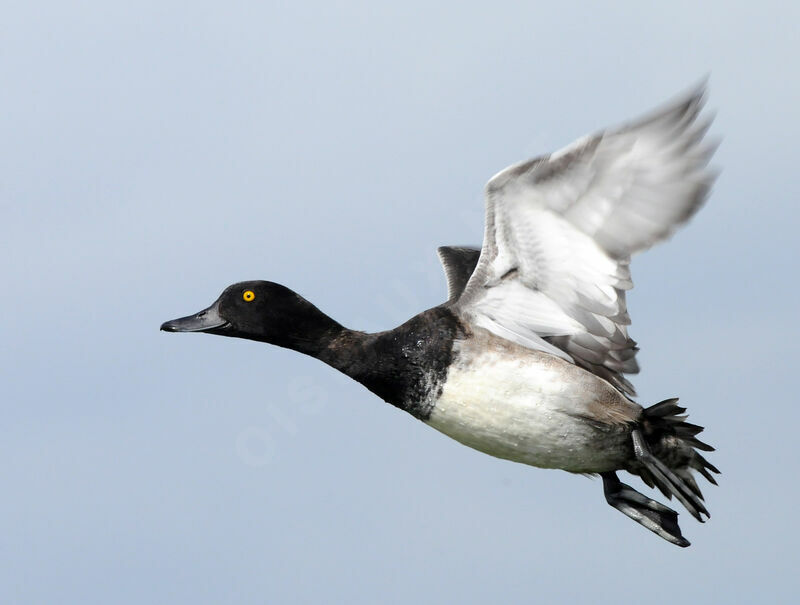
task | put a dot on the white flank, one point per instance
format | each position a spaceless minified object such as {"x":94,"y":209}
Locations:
{"x":535,"y":409}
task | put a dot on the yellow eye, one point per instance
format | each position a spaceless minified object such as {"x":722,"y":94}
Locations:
{"x":248,"y":295}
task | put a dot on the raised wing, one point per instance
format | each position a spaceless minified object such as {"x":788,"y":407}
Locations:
{"x":560,"y":230}
{"x":458,"y":263}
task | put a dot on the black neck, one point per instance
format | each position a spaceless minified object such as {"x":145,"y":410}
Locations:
{"x":405,"y":366}
{"x":312,"y":334}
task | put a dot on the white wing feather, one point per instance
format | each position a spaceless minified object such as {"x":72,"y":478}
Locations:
{"x":560,"y":231}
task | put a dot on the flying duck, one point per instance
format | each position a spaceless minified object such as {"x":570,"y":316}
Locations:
{"x":527,"y":359}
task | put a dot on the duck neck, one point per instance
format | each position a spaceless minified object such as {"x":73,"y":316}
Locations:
{"x":312,"y":333}
{"x":406,"y":366}
{"x":355,"y":354}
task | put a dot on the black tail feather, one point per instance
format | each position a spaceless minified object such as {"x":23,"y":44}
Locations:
{"x":665,"y":449}
{"x":687,"y":429}
{"x":667,"y":407}
{"x":702,"y":466}
{"x":697,"y":444}
{"x":666,"y":478}
{"x":672,"y":446}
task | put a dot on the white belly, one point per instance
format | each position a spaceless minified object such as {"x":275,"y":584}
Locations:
{"x":538,"y":409}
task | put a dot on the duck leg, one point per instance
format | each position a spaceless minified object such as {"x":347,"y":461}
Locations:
{"x":656,"y":517}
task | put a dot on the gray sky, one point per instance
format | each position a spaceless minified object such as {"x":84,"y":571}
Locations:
{"x":153,"y":153}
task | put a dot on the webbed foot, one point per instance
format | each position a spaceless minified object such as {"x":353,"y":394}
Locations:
{"x":653,"y":515}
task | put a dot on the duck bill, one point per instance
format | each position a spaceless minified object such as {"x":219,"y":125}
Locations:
{"x":207,"y":320}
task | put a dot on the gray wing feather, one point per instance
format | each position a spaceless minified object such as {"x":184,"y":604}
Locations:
{"x":458,"y":263}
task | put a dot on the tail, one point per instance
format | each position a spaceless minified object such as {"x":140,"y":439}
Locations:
{"x":670,"y":453}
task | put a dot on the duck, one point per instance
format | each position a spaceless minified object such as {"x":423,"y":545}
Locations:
{"x":528,"y":358}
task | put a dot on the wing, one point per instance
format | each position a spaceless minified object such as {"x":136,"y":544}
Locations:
{"x":458,"y":264}
{"x":560,"y":231}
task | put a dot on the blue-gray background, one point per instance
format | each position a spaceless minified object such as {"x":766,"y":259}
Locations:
{"x":151,"y":153}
